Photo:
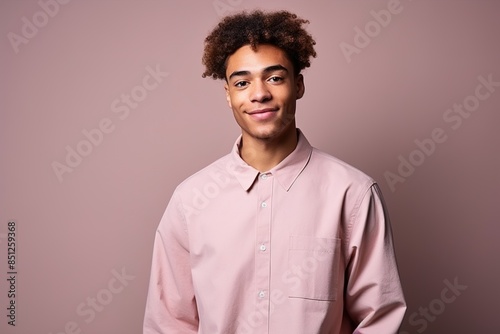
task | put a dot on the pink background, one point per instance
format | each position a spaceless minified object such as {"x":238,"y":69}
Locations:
{"x":74,"y":231}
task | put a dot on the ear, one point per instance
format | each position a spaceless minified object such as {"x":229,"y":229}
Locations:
{"x":228,"y":97}
{"x":299,"y":84}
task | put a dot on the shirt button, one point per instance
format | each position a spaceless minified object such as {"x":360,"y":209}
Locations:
{"x":262,"y":294}
{"x":263,"y":204}
{"x":262,"y":247}
{"x":263,"y":176}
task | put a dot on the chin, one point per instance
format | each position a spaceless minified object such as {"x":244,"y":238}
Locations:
{"x":266,"y":134}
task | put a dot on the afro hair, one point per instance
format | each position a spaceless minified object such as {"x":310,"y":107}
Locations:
{"x":281,"y":29}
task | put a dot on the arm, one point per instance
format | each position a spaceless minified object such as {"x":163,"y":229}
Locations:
{"x":171,"y":305}
{"x":373,"y":296}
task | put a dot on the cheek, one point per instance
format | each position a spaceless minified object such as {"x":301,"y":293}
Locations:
{"x":236,"y":101}
{"x":288,"y":102}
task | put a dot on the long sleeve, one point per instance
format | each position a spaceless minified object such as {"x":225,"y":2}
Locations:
{"x":303,"y":248}
{"x":171,"y":305}
{"x":374,"y":297}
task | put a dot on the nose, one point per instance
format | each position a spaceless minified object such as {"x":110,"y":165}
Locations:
{"x":259,"y":92}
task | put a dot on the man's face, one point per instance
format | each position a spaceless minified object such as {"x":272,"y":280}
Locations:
{"x":262,"y":90}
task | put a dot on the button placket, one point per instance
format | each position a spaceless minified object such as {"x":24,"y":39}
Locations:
{"x":264,"y":189}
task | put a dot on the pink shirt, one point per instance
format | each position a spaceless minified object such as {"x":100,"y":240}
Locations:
{"x":304,"y":248}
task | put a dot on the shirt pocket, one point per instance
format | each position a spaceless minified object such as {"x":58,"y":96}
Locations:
{"x":313,"y":268}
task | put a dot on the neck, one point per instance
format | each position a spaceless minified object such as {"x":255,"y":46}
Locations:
{"x":264,"y":154}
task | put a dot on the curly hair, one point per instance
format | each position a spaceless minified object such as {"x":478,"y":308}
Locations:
{"x":281,"y":29}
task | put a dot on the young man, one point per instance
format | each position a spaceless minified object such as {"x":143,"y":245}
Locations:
{"x":276,"y":237}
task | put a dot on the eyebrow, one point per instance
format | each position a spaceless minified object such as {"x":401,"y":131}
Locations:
{"x":272,"y":68}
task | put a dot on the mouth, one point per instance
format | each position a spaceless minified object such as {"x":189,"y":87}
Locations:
{"x":262,"y":114}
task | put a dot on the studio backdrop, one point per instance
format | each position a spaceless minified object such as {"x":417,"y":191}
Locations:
{"x":103,"y":112}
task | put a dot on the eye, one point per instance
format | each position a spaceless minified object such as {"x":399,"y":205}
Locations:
{"x":275,"y":79}
{"x":241,"y":84}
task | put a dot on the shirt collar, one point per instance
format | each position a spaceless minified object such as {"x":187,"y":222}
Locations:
{"x":286,"y":172}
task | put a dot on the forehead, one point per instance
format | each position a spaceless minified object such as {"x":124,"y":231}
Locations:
{"x":247,"y":59}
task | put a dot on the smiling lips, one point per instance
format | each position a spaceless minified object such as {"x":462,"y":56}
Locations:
{"x":262,"y":114}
